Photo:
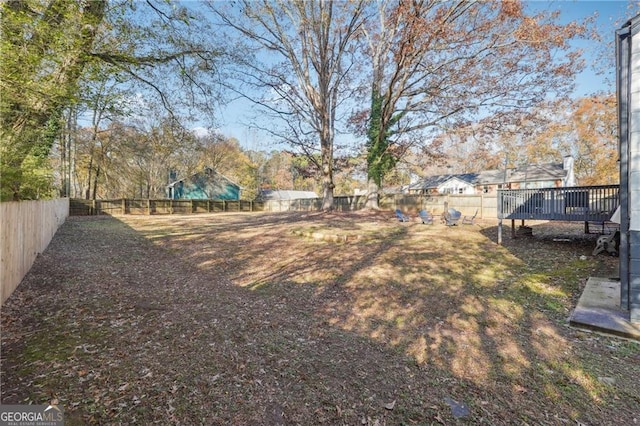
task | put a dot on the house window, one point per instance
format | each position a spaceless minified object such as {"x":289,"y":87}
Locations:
{"x":485,"y":189}
{"x":460,"y":190}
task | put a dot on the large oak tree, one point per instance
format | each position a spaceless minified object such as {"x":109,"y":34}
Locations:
{"x":438,"y":65}
{"x":298,"y":74}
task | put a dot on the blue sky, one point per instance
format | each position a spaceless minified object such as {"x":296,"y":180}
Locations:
{"x":611,"y":14}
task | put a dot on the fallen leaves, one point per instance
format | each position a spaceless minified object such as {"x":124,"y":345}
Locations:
{"x":323,"y":335}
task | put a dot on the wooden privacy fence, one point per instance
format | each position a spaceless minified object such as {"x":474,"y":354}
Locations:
{"x":79,"y":207}
{"x":26,"y":228}
{"x":485,"y":204}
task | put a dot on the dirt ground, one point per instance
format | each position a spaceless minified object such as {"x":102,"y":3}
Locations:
{"x":313,"y":318}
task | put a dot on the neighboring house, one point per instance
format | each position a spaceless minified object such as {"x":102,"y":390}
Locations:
{"x":207,"y":184}
{"x":549,"y":175}
{"x":268,"y":194}
{"x":445,"y":184}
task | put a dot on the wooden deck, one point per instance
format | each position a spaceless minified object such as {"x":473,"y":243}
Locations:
{"x":573,"y":204}
{"x":588,"y":204}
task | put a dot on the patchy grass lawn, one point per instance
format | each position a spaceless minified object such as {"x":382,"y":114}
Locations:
{"x":312,"y":318}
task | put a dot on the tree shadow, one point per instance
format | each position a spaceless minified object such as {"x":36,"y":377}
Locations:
{"x":244,"y":322}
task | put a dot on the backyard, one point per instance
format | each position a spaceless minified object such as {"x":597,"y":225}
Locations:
{"x":313,"y":318}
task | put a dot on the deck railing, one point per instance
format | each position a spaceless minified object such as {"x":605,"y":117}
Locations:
{"x":577,"y":203}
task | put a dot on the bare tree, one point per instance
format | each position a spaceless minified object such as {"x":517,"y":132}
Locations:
{"x":304,"y":47}
{"x":440,"y":64}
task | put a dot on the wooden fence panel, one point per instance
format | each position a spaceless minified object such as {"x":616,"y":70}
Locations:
{"x":110,"y":207}
{"x":201,"y":206}
{"x":349,"y":203}
{"x":485,"y":204}
{"x":26,"y":228}
{"x":467,"y":204}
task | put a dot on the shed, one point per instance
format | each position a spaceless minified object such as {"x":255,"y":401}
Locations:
{"x":207,"y":184}
{"x":269,"y":194}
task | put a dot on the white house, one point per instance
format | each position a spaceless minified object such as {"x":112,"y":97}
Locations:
{"x":527,"y":176}
{"x":456,"y":185}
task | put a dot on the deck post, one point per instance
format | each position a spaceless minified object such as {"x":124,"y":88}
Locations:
{"x":500,"y":232}
{"x":513,"y":228}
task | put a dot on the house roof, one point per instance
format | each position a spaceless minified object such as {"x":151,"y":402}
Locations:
{"x":268,"y":194}
{"x":487,"y":177}
{"x":467,"y":180}
{"x":206,"y":170}
{"x":537,"y":172}
{"x":527,"y":173}
{"x":436,"y":181}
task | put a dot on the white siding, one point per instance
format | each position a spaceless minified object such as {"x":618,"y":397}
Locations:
{"x":634,"y":137}
{"x":456,"y":186}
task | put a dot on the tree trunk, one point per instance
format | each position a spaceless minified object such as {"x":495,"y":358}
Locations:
{"x":327,"y":184}
{"x":373,"y":195}
{"x":376,"y":132}
{"x":89,"y":174}
{"x":64,"y":192}
{"x":95,"y":183}
{"x":326,"y":114}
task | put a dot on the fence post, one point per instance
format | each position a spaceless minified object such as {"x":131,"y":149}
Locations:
{"x":148,"y":207}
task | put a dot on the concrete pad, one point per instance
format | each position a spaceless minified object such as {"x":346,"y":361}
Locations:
{"x":599,"y":310}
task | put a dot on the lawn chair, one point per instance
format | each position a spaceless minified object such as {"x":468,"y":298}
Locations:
{"x":427,"y":218}
{"x":401,"y":216}
{"x":468,"y":220}
{"x":452,"y":217}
